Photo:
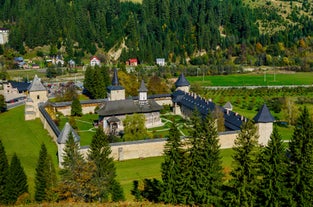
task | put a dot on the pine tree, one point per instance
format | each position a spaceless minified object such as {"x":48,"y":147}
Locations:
{"x":273,"y":169}
{"x":104,"y":173}
{"x":76,"y":174}
{"x":4,"y":169}
{"x":300,"y":171}
{"x":203,"y":179}
{"x":171,"y":168}
{"x":45,"y":178}
{"x":76,"y":108}
{"x":242,"y":186}
{"x":17,"y":181}
{"x":40,"y":179}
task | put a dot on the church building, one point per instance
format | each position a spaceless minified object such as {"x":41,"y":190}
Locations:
{"x":114,"y":110}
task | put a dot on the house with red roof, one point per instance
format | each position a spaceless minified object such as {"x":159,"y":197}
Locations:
{"x":94,"y":61}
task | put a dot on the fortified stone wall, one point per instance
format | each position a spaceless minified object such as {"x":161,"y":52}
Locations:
{"x":130,"y":150}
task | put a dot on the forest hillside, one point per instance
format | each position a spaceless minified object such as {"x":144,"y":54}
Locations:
{"x":181,"y":31}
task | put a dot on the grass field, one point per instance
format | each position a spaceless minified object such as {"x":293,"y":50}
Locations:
{"x":25,"y":139}
{"x":254,"y":79}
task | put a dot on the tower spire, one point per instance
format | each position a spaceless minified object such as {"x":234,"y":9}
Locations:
{"x":115,"y":81}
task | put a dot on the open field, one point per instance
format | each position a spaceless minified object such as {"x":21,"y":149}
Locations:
{"x":24,"y":139}
{"x":263,"y":79}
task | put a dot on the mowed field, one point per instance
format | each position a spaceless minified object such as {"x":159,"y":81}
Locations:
{"x":251,"y":79}
{"x":25,"y":138}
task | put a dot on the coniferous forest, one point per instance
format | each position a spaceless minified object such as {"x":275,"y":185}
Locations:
{"x":173,"y":29}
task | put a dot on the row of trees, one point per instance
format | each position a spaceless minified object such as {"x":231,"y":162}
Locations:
{"x":275,"y":175}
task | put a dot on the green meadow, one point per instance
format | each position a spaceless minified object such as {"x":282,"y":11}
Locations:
{"x":25,"y":138}
{"x":254,"y":79}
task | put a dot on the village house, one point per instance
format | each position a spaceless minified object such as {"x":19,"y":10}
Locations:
{"x":94,"y":61}
{"x":132,"y":62}
{"x":160,"y":61}
{"x":14,"y":91}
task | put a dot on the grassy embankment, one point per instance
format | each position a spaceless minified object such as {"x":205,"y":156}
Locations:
{"x":25,"y":139}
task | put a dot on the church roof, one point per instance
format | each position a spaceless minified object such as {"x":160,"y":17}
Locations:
{"x":264,"y":115}
{"x":115,"y":83}
{"x":36,"y":85}
{"x":20,"y":86}
{"x":63,"y":137}
{"x":128,"y":106}
{"x":143,"y":87}
{"x":181,"y":81}
{"x":232,"y":121}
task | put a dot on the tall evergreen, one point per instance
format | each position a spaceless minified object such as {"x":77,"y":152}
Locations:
{"x":172,"y":168}
{"x":273,"y":170}
{"x":203,"y":171}
{"x":4,"y":169}
{"x":17,"y":181}
{"x":76,"y":108}
{"x":242,"y":188}
{"x":76,"y":174}
{"x":104,"y":174}
{"x":300,"y":170}
{"x":45,"y":178}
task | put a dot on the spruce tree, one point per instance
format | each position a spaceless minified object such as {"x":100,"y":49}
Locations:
{"x":76,"y":174}
{"x":4,"y":169}
{"x":172,"y":168}
{"x":17,"y":181}
{"x":76,"y":108}
{"x":40,"y":178}
{"x":243,"y":185}
{"x":273,"y":171}
{"x":203,"y":178}
{"x":104,"y":173}
{"x":300,"y":170}
{"x":45,"y":178}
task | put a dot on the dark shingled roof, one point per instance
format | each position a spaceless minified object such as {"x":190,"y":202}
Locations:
{"x":232,"y":121}
{"x":264,"y":115}
{"x":63,"y":137}
{"x":182,"y":81}
{"x":21,"y":86}
{"x":128,"y":106}
{"x":36,"y":85}
{"x":115,"y":83}
{"x":143,"y":87}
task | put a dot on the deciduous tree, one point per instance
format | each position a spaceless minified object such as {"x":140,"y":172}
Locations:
{"x":134,"y":127}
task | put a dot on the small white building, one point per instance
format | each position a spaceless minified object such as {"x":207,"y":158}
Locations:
{"x":4,"y":36}
{"x":94,"y":61}
{"x":160,"y":61}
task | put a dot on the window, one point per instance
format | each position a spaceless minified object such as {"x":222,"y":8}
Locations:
{"x":38,"y":97}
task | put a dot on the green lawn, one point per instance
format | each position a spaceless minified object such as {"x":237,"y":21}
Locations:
{"x":25,"y":138}
{"x":299,"y":78}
